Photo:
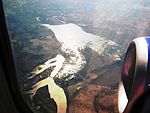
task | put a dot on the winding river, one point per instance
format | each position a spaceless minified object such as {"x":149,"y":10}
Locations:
{"x":73,"y":39}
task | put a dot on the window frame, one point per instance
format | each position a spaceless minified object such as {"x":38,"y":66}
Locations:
{"x":8,"y":67}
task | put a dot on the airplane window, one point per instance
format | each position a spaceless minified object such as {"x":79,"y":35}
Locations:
{"x":68,"y":53}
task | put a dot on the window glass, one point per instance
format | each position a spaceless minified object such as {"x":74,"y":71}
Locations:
{"x":68,"y":53}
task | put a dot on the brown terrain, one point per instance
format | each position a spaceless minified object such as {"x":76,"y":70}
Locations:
{"x":94,"y":99}
{"x":97,"y":93}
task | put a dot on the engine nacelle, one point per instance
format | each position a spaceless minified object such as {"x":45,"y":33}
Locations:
{"x":135,"y":75}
